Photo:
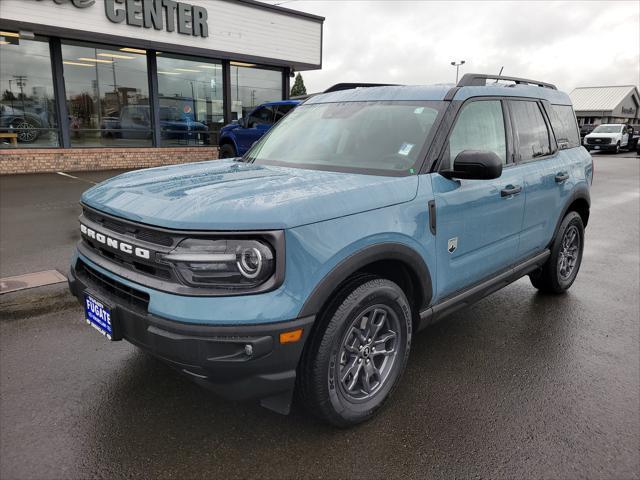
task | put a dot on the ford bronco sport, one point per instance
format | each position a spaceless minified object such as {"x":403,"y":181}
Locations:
{"x":359,"y":219}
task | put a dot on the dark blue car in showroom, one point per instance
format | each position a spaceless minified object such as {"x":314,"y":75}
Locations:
{"x":134,"y":121}
{"x":237,"y":137}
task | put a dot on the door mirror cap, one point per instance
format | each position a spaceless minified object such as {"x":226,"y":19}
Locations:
{"x":475,"y":165}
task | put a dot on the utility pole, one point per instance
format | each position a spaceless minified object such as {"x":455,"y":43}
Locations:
{"x":457,"y":65}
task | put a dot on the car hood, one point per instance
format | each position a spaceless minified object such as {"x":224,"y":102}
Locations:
{"x":602,"y":135}
{"x":228,"y":195}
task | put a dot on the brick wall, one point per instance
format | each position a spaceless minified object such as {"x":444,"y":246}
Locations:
{"x":28,"y":160}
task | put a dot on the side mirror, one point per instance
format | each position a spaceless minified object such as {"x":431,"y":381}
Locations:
{"x":243,"y":122}
{"x":475,"y":165}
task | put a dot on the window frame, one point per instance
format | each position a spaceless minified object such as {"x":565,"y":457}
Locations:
{"x":553,"y":144}
{"x":509,"y":144}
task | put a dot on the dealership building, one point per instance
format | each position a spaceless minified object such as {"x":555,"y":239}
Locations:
{"x":608,"y":104}
{"x":102,"y":84}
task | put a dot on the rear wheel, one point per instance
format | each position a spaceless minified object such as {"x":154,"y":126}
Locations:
{"x":227,"y":151}
{"x":561,"y":268}
{"x":358,"y":354}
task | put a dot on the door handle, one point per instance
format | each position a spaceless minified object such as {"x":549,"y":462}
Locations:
{"x":510,"y":190}
{"x":561,"y":177}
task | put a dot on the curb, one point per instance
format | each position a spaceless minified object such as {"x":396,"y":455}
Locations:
{"x":36,"y":301}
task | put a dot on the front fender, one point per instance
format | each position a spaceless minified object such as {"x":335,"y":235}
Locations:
{"x":322,"y":255}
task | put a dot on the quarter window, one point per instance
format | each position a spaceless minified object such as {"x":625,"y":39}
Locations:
{"x":564,"y":126}
{"x":480,"y":126}
{"x":530,"y":129}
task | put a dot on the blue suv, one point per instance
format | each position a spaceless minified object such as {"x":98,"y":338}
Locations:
{"x":236,"y":138}
{"x":362,"y":217}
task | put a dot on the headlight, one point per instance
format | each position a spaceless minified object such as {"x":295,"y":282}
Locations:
{"x":227,"y":264}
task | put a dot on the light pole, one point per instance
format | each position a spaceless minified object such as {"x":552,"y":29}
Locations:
{"x":457,"y":65}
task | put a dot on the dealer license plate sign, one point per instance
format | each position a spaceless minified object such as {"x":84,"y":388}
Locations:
{"x":98,"y":315}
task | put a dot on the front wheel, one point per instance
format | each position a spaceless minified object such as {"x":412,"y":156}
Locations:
{"x":358,"y":354}
{"x":561,"y":268}
{"x":617,"y":147}
{"x":227,"y":151}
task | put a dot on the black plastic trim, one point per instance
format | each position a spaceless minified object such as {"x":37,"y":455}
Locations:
{"x":580,"y":192}
{"x":373,"y":253}
{"x":432,"y":216}
{"x":480,"y":290}
{"x":239,"y":362}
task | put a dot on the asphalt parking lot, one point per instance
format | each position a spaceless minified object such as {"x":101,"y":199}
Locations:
{"x":520,"y":385}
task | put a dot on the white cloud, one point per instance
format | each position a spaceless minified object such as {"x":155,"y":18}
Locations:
{"x":413,"y":42}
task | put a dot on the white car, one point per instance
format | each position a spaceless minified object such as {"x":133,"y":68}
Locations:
{"x":609,"y":136}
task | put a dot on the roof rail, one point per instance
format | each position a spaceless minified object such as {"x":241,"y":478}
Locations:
{"x":348,"y":86}
{"x":480,"y":80}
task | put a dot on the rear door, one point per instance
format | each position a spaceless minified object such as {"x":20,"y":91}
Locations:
{"x":545,"y":168}
{"x":478,"y":221}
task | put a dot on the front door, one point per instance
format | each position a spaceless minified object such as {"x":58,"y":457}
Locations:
{"x":478,"y":221}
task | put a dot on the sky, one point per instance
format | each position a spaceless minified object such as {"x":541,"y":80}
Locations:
{"x":568,"y":43}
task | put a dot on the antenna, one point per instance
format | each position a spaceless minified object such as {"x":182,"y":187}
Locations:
{"x":499,"y":74}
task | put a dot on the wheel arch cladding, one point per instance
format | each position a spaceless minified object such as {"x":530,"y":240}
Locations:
{"x":581,"y":206}
{"x":394,"y":261}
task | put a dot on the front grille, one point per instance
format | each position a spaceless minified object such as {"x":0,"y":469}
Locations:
{"x":133,"y":231}
{"x":130,"y":262}
{"x":598,"y":141}
{"x":131,"y":297}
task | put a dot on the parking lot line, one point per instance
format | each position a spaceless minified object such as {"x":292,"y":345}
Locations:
{"x":30,"y":280}
{"x":76,"y":178}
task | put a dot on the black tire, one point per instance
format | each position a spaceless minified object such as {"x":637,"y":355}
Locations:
{"x":556,"y":276}
{"x":331,"y":352}
{"x":227,"y":151}
{"x":617,"y":150}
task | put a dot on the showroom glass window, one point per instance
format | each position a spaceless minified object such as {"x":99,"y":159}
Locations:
{"x":27,"y":105}
{"x":107,"y":95}
{"x":252,"y":86}
{"x":190,"y":97}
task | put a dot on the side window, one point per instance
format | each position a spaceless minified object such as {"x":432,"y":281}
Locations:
{"x":480,"y":126}
{"x":564,"y":126}
{"x":282,"y":110}
{"x":530,"y":129}
{"x":262,"y":116}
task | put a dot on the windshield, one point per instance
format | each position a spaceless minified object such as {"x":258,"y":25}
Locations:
{"x":382,"y":137}
{"x":607,"y":129}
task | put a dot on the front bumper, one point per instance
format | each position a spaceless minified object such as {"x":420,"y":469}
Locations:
{"x":238,"y":362}
{"x":604,"y":148}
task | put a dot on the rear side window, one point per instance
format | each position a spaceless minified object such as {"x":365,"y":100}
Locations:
{"x":480,"y":126}
{"x":530,"y":130}
{"x":564,"y":126}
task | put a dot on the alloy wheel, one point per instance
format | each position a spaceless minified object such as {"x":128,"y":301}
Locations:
{"x":368,"y":352}
{"x":569,"y":252}
{"x":26,"y":132}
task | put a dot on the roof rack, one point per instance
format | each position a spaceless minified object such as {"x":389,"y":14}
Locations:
{"x":480,"y":80}
{"x":348,"y":86}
